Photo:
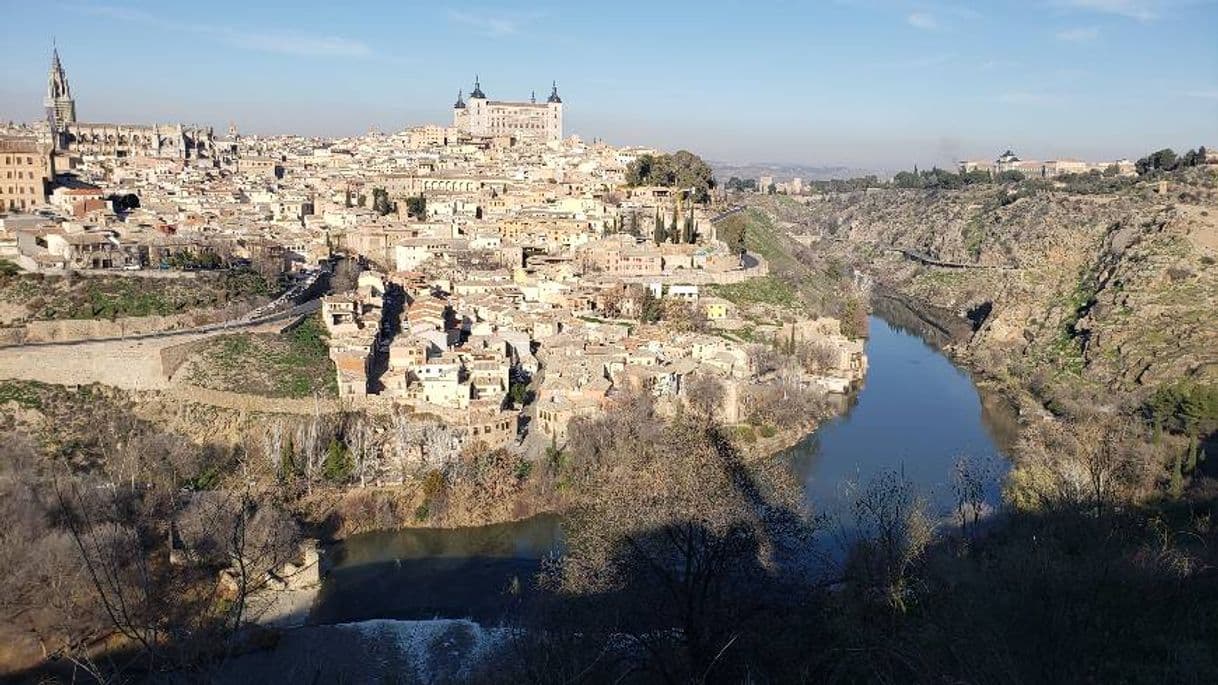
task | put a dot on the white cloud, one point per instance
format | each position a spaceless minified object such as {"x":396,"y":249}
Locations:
{"x":923,"y":20}
{"x":1141,"y":10}
{"x":1082,"y":34}
{"x":293,"y":43}
{"x":492,"y":25}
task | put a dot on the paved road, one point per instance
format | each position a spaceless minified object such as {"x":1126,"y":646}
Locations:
{"x":726,"y":213}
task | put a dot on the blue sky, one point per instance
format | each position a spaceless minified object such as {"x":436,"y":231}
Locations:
{"x":871,"y":83}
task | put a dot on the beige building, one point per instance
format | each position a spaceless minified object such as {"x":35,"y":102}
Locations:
{"x":532,"y":121}
{"x":1054,"y":167}
{"x":26,"y":167}
{"x":270,"y":167}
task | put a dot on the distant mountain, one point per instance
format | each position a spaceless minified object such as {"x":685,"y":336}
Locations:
{"x":786,"y":172}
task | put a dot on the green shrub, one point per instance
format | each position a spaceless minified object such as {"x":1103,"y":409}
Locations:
{"x":524,"y":467}
{"x":433,"y":484}
{"x":746,"y":434}
{"x":338,"y":464}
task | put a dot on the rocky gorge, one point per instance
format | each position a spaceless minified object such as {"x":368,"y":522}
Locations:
{"x":1111,"y":292}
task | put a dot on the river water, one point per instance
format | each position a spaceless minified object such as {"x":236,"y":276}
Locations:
{"x":916,"y":413}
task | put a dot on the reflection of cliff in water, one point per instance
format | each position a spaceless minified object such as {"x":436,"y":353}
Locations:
{"x":1000,"y":418}
{"x":939,"y":327}
{"x":936,"y":325}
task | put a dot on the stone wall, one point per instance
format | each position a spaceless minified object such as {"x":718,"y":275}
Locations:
{"x":173,"y":356}
{"x":68,"y":330}
{"x":704,"y":276}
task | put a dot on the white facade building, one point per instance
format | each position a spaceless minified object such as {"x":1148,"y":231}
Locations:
{"x":532,"y":121}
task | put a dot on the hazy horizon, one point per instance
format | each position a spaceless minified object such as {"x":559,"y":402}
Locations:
{"x":870,"y":84}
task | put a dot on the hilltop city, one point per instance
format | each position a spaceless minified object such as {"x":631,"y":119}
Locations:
{"x":491,"y":259}
{"x":485,"y":400}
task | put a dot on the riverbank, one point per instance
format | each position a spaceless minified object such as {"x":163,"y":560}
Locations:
{"x":482,"y":573}
{"x":335,"y":514}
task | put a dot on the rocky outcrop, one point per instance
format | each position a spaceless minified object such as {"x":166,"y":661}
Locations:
{"x":1120,"y":289}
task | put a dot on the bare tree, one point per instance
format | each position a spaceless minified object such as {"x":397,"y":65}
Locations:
{"x":1089,"y":463}
{"x":309,"y":441}
{"x":784,"y":402}
{"x":676,"y":532}
{"x":816,"y":356}
{"x":705,"y":394}
{"x":970,"y":477}
{"x":891,"y":531}
{"x":115,"y":561}
{"x":764,"y":359}
{"x":361,"y":441}
{"x":272,"y":448}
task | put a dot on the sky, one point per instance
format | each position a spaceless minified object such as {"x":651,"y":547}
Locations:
{"x":881,"y":84}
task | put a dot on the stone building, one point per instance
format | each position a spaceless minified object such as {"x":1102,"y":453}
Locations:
{"x":176,"y":141}
{"x":26,"y":167}
{"x":525,"y":121}
{"x":1008,"y":161}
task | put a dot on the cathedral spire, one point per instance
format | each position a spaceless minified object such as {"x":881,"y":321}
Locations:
{"x":460,"y":103}
{"x":554,"y":99}
{"x":57,"y":80}
{"x":477,"y":91}
{"x":60,"y":107}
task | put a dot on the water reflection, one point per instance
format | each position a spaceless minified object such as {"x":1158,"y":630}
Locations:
{"x":916,"y":412}
{"x":435,"y":573}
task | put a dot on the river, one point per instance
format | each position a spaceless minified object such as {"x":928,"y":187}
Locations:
{"x":916,"y":412}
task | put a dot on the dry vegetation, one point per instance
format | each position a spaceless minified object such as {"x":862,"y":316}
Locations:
{"x":38,"y":297}
{"x":295,"y":363}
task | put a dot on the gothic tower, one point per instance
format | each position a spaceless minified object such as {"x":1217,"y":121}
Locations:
{"x":60,"y":107}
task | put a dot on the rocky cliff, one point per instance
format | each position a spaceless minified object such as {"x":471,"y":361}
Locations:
{"x":1116,"y":290}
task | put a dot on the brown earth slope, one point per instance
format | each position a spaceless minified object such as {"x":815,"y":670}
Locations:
{"x":1117,"y":290}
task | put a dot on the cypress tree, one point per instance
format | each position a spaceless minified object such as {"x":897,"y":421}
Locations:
{"x":1177,"y":476}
